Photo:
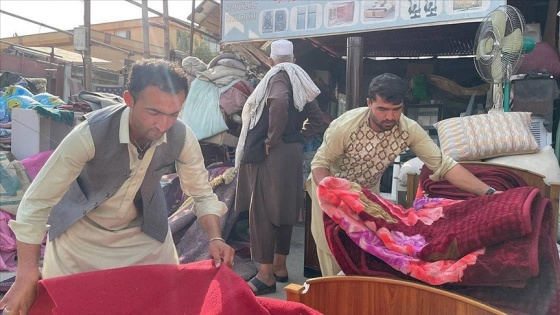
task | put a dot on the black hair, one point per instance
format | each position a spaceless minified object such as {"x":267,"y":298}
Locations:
{"x":167,"y":76}
{"x":391,"y":88}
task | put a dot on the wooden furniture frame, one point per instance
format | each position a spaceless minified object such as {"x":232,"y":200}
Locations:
{"x":343,"y":295}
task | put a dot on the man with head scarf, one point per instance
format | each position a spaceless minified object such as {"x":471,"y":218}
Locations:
{"x":277,"y":118}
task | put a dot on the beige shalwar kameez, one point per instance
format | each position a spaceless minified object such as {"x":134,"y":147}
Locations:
{"x":354,"y":151}
{"x":109,"y":236}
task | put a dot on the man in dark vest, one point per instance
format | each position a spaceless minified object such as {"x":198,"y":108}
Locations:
{"x":100,"y":190}
{"x":278,"y":117}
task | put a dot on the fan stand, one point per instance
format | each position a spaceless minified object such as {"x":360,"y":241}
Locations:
{"x":507,"y":88}
{"x":498,"y":97}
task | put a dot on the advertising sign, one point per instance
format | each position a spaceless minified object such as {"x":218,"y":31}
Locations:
{"x":272,"y":19}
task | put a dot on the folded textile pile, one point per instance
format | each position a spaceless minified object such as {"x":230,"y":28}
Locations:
{"x":499,"y":178}
{"x":34,"y":85}
{"x":188,"y":233}
{"x":197,"y":288}
{"x":223,"y":70}
{"x":14,"y":181}
{"x":6,"y":135}
{"x":498,"y":249}
{"x":15,"y":178}
{"x":192,"y":66}
{"x":98,"y":100}
{"x":216,"y":97}
{"x":11,"y":87}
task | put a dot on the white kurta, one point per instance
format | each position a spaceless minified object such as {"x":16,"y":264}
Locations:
{"x":110,"y":236}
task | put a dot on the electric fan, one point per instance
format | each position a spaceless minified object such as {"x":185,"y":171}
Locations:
{"x":499,"y":48}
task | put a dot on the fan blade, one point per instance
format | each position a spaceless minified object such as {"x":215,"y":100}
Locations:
{"x":513,"y":42}
{"x":485,"y":47}
{"x":496,"y":69}
{"x":498,"y":19}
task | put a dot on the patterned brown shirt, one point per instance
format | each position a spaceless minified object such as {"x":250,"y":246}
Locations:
{"x":352,"y":150}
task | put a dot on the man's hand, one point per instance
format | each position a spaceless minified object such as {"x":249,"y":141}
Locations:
{"x":267,"y":149}
{"x":221,"y":251}
{"x":20,"y":297}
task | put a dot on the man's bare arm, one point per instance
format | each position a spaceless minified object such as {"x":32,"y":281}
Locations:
{"x":461,"y":178}
{"x":22,"y":294}
{"x":319,"y":173}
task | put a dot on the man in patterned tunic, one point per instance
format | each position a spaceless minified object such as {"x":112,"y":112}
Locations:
{"x":363,"y":142}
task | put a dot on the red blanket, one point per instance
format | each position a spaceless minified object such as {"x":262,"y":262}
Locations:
{"x":196,"y":288}
{"x":518,"y":270}
{"x":497,"y":177}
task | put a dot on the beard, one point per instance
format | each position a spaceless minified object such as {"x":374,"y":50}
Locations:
{"x":384,"y":125}
{"x":153,"y":134}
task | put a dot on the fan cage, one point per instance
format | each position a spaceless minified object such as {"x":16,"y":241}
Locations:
{"x":510,"y":61}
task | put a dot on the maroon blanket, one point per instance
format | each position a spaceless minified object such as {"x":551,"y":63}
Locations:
{"x":497,"y":177}
{"x":196,"y":288}
{"x":519,"y":270}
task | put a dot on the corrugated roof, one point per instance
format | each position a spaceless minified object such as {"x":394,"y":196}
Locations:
{"x":208,"y":15}
{"x":60,"y":54}
{"x":451,"y":40}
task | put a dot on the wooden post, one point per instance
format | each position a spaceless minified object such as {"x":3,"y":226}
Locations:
{"x":354,"y":61}
{"x":166,"y":41}
{"x":88,"y":84}
{"x":193,"y":12}
{"x":145,"y":29}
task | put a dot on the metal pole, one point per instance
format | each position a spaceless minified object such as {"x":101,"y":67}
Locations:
{"x":145,"y":29}
{"x":88,"y":78}
{"x":166,"y":41}
{"x":354,"y":61}
{"x":193,"y":12}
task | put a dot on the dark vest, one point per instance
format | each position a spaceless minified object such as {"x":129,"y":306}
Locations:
{"x":104,"y":175}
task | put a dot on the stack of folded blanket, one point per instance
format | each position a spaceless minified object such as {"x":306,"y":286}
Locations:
{"x":216,"y":97}
{"x":499,"y":249}
{"x":6,"y":135}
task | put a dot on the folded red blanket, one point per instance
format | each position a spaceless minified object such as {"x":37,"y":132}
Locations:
{"x":516,"y":265}
{"x":196,"y":288}
{"x":499,"y":178}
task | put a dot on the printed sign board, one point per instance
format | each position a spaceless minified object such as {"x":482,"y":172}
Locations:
{"x":272,"y":19}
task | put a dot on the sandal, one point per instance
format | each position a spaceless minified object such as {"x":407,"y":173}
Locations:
{"x":261,"y":287}
{"x":281,"y":279}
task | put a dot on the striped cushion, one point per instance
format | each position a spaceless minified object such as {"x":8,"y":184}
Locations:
{"x":487,"y":135}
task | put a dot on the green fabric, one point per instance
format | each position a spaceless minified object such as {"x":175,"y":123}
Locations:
{"x":14,"y":181}
{"x":420,"y":90}
{"x":59,"y":115}
{"x":10,"y":184}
